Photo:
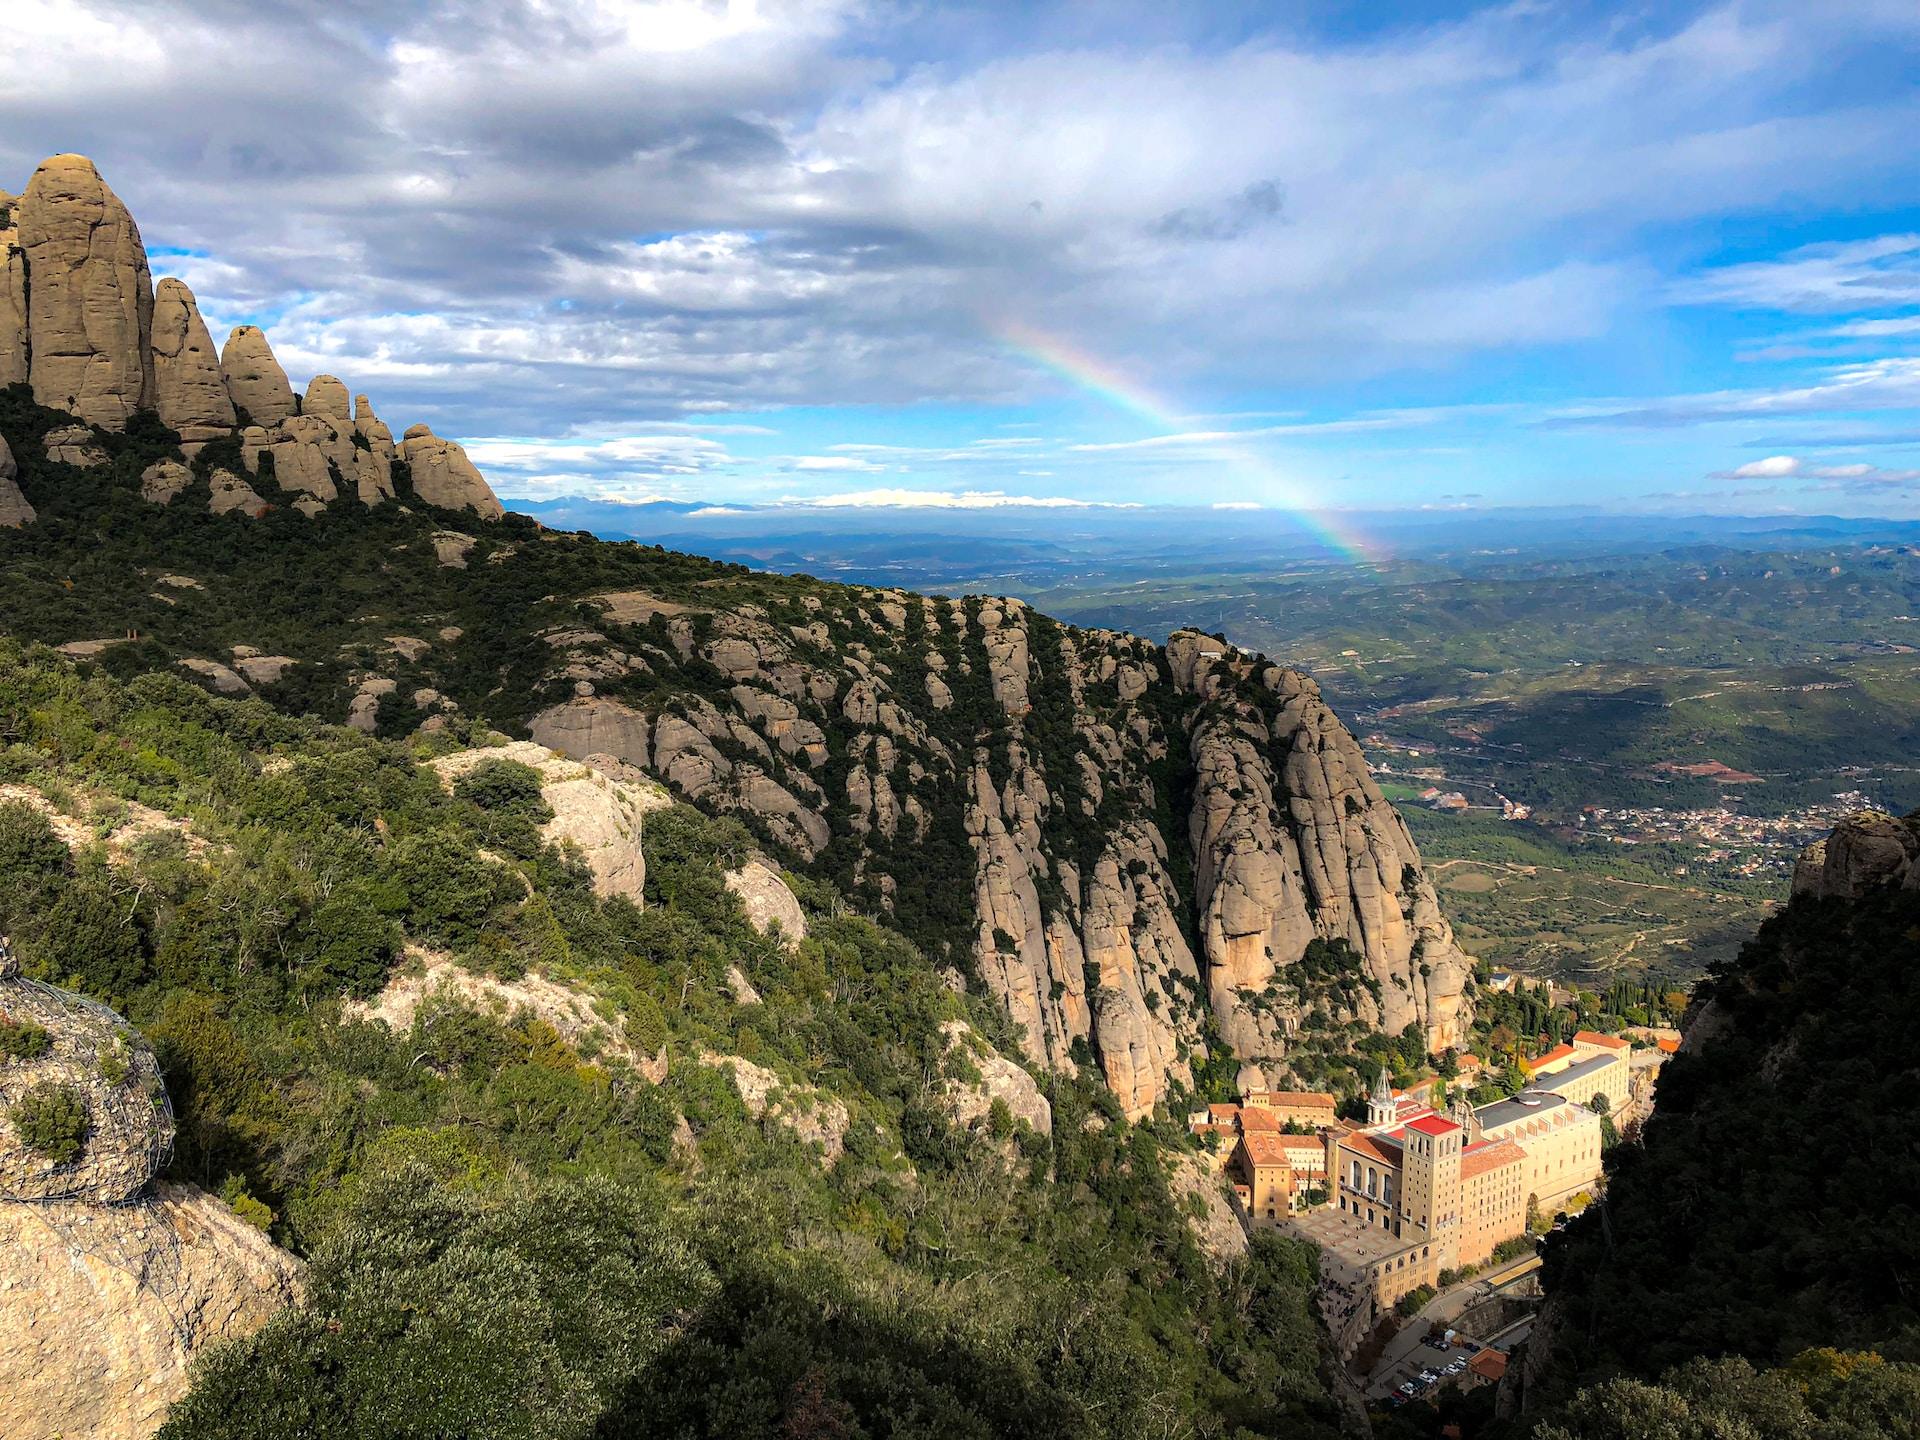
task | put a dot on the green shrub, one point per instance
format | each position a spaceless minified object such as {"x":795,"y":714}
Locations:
{"x":51,"y":1120}
{"x":23,"y":1040}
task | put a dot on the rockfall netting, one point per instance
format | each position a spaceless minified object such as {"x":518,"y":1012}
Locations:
{"x":90,"y":1054}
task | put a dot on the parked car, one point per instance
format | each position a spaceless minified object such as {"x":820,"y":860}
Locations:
{"x":1408,"y":1390}
{"x":1454,"y":1367}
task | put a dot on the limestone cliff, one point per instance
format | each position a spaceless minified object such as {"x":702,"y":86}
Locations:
{"x":1143,"y":841}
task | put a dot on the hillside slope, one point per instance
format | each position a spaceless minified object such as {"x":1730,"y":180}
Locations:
{"x":1769,"y":1210}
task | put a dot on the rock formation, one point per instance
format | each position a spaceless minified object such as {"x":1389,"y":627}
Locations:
{"x":89,"y":295}
{"x":81,"y":320}
{"x":1866,"y":851}
{"x":188,"y":390}
{"x":14,"y":509}
{"x":444,"y":476}
{"x":767,"y":900}
{"x":13,"y":295}
{"x":256,"y":385}
{"x":74,"y":445}
{"x":597,"y":815}
{"x":1285,"y":894}
{"x":109,"y":1285}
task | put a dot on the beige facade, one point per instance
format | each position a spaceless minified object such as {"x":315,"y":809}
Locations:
{"x":1560,"y":1137}
{"x":1493,"y":1199}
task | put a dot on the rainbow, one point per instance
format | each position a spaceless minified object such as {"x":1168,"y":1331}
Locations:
{"x":1098,"y":378}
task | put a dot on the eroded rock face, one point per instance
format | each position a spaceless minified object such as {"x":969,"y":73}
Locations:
{"x":14,"y":509}
{"x":767,"y":900}
{"x":105,"y":1307}
{"x":74,"y":445}
{"x":256,"y":385}
{"x":599,"y":816}
{"x":13,"y":295}
{"x":89,"y":295}
{"x":163,"y":481}
{"x":187,"y":388}
{"x":1866,"y":851}
{"x":1109,"y":936}
{"x":444,"y":476}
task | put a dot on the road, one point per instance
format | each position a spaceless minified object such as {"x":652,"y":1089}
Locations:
{"x":1408,"y":1352}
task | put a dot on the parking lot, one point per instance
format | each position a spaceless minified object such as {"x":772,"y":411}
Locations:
{"x":1444,"y":1363}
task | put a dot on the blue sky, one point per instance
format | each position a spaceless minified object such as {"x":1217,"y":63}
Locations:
{"x":825,"y":252}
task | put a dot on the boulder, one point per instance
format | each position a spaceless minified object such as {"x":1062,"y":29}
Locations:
{"x":14,"y":509}
{"x":597,"y":815}
{"x":162,"y":481}
{"x":13,"y":295}
{"x":89,"y":295}
{"x":217,"y":675}
{"x":187,"y":388}
{"x":256,"y":384}
{"x":90,"y":1053}
{"x":231,"y":494}
{"x":74,"y":445}
{"x":432,"y":975}
{"x":443,"y":476}
{"x":767,"y":900}
{"x":967,"y":1101}
{"x":1866,"y":851}
{"x":105,"y":1307}
{"x":812,"y":1115}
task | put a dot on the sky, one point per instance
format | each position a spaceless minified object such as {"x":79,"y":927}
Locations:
{"x":1313,"y":257}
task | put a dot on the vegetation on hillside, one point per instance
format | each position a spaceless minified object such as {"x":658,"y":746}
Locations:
{"x":514,"y":1235}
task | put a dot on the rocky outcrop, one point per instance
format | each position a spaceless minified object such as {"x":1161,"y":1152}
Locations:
{"x":444,"y":476}
{"x":105,"y":1307}
{"x":1293,"y":841}
{"x":813,"y":1116}
{"x":1284,"y":895}
{"x":431,"y":977}
{"x":89,"y":295}
{"x":986,"y":1076}
{"x":232,"y":495}
{"x":14,"y":509}
{"x":1867,"y":851}
{"x":767,"y":900}
{"x":163,"y":481}
{"x":1201,"y":1191}
{"x":13,"y":295}
{"x":82,"y":321}
{"x":108,"y":1285}
{"x":256,"y":385}
{"x":219,"y":676}
{"x":187,"y":387}
{"x":598,"y":816}
{"x":74,"y":445}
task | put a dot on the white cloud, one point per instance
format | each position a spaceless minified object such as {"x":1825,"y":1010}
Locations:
{"x":1857,"y":475}
{"x":1237,"y":505}
{"x":902,"y":499}
{"x":1854,"y":275}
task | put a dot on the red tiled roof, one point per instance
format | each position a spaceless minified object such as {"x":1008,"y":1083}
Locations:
{"x":1668,"y":1044}
{"x":1223,"y":1114}
{"x":1368,"y":1145}
{"x":1488,"y":1364}
{"x":1594,"y":1037}
{"x":1558,"y":1052}
{"x":1433,"y":1125}
{"x":1291,"y":1099}
{"x":1259,"y":1120}
{"x":1301,"y":1142}
{"x":1489,"y":1155}
{"x":1265,"y":1150}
